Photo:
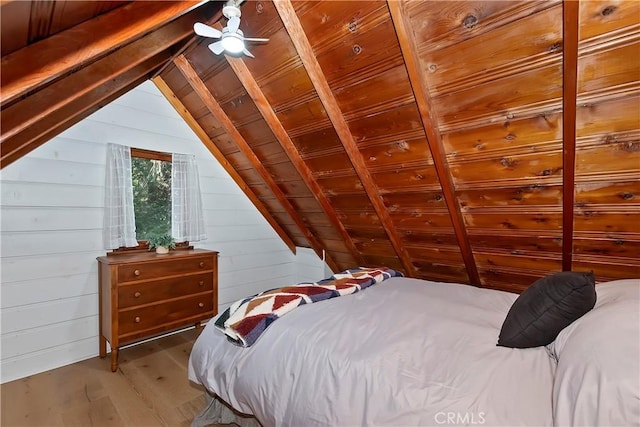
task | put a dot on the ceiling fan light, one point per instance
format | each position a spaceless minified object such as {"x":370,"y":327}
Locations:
{"x":233,"y":44}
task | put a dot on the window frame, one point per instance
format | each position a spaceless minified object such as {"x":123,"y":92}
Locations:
{"x":143,"y":245}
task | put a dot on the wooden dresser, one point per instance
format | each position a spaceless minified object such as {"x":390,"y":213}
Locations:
{"x":146,"y":294}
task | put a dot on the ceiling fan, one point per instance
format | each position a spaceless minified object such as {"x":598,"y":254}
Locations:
{"x":231,"y":37}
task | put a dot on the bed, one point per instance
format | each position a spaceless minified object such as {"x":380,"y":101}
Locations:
{"x":409,"y":352}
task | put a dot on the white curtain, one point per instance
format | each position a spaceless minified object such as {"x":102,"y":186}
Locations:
{"x":119,"y":218}
{"x":187,"y":222}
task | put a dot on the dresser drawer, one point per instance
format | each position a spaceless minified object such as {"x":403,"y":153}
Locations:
{"x":155,"y":316}
{"x":164,"y":267}
{"x":163,"y":289}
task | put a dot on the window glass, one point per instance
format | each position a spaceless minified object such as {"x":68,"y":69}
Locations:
{"x":151,"y":196}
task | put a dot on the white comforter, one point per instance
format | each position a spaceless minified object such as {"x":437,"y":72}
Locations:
{"x":405,"y":352}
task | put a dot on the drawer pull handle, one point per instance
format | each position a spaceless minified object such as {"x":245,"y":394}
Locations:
{"x":136,"y":272}
{"x":201,"y":282}
{"x":201,"y":305}
{"x":137,"y":294}
{"x":201,"y":264}
{"x":137,"y":319}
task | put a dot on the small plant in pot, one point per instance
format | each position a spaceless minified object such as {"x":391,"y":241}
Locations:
{"x":162,"y":243}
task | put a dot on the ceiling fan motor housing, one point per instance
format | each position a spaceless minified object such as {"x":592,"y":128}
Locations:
{"x":230,"y":11}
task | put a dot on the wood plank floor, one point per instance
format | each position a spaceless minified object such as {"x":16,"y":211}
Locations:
{"x":150,"y":388}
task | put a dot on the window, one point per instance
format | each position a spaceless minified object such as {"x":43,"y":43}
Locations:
{"x":151,"y":179}
{"x":167,"y":197}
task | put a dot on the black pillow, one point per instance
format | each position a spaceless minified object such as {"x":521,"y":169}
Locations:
{"x":546,"y":307}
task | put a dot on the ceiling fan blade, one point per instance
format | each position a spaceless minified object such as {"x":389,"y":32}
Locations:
{"x":253,"y":39}
{"x":233,"y":24}
{"x":206,"y":31}
{"x":246,"y":52}
{"x":216,"y":47}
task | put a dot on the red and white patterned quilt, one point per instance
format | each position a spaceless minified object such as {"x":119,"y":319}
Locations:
{"x":245,"y":320}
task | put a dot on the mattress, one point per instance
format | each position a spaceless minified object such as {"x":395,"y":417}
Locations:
{"x":403,"y":352}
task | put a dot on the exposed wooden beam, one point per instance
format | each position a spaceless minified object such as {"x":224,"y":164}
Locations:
{"x":430,"y":124}
{"x":81,"y":108}
{"x":305,"y":51}
{"x":200,"y":88}
{"x":38,"y":64}
{"x":25,"y":123}
{"x":570,"y":16}
{"x":213,"y":149}
{"x":270,"y":117}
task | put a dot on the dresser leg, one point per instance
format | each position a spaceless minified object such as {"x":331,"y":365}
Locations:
{"x":114,"y":359}
{"x":103,"y":346}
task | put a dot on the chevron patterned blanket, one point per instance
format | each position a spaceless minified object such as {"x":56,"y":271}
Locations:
{"x":245,"y":320}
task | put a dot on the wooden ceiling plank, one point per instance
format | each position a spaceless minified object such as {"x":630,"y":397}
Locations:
{"x":20,"y":123}
{"x":429,"y":122}
{"x":310,"y":62}
{"x":252,"y":88}
{"x":190,"y":45}
{"x":40,"y":19}
{"x":570,"y":17}
{"x":214,"y":107}
{"x":213,"y":149}
{"x":36,"y":65}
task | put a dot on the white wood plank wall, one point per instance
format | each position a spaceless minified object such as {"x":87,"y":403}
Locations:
{"x":51,"y":233}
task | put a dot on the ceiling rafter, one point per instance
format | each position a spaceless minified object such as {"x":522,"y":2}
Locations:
{"x":215,"y":151}
{"x":570,"y":17}
{"x":421,"y":93}
{"x":31,"y":122}
{"x":82,"y":44}
{"x":249,"y":83}
{"x":214,"y":107}
{"x":72,"y":113}
{"x":305,"y":51}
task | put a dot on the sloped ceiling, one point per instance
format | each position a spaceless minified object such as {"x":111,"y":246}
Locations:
{"x":481,"y":142}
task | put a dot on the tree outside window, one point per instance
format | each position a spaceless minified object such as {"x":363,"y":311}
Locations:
{"x":151,"y":195}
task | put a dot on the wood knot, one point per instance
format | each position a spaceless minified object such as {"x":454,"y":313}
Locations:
{"x":259,"y":7}
{"x":510,"y":137}
{"x":353,"y":25}
{"x":608,"y":10}
{"x":402,"y":145}
{"x":433,"y":68}
{"x":357,"y":49}
{"x":438,"y":197}
{"x":469,"y":21}
{"x":626,"y":196}
{"x":507,"y":163}
{"x":548,"y":172}
{"x":631,"y":146}
{"x":554,"y":47}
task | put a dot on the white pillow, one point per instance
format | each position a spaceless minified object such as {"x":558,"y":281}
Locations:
{"x":598,"y":375}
